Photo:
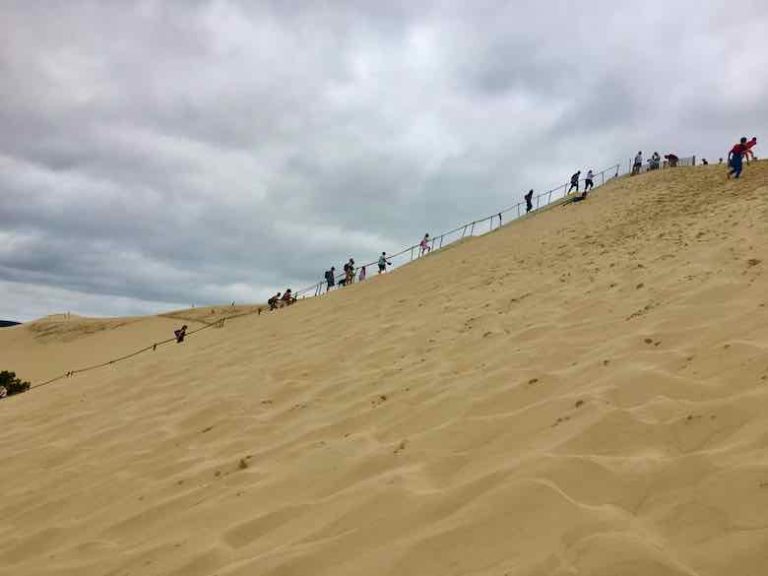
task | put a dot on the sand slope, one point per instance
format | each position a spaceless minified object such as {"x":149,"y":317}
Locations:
{"x":582,"y":392}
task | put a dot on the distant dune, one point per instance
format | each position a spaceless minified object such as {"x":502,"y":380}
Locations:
{"x":583,"y":392}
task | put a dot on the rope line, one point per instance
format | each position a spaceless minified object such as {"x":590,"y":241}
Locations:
{"x":219,"y":323}
{"x":317,"y":288}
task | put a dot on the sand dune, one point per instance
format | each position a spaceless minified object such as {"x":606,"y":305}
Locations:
{"x":581,"y":392}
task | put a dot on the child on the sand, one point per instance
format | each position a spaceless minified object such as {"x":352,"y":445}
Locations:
{"x":361,"y":277}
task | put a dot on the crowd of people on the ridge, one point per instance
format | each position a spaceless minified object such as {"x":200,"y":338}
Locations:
{"x":654,"y":162}
{"x":740,"y":152}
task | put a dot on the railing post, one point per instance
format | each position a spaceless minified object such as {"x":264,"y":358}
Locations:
{"x":472,"y":231}
{"x":499,"y":219}
{"x":412,"y":253}
{"x":518,"y":209}
{"x":464,"y":231}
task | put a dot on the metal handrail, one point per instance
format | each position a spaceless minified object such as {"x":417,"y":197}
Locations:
{"x":611,"y":172}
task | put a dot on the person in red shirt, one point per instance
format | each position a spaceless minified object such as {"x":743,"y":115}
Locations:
{"x":287,"y":298}
{"x":735,"y":158}
{"x":751,"y":144}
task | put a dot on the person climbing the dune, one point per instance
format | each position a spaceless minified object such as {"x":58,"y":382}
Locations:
{"x":655,"y":161}
{"x":287,"y":298}
{"x":383,"y":263}
{"x":672,"y":160}
{"x":574,"y":182}
{"x":180,"y":334}
{"x":735,"y":157}
{"x":748,"y":153}
{"x":272,"y":302}
{"x":330,"y":278}
{"x":529,"y":201}
{"x":638,"y":165}
{"x":349,"y":272}
{"x":424,"y":245}
{"x":589,"y":182}
{"x":361,"y":276}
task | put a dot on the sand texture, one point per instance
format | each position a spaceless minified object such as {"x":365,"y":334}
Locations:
{"x":583,"y":392}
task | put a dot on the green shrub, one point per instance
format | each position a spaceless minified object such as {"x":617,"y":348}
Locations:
{"x":12,"y":384}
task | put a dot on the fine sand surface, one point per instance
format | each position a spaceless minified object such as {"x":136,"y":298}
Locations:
{"x":584,"y":392}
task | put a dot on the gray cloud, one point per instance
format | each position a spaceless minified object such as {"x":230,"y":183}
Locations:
{"x":164,"y":153}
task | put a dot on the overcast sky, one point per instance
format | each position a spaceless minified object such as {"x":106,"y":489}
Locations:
{"x":157,"y":154}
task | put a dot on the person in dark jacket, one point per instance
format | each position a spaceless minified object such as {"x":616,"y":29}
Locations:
{"x":528,"y":201}
{"x":330,"y":278}
{"x":575,"y":182}
{"x":180,"y":334}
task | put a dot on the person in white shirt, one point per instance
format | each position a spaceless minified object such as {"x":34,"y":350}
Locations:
{"x":589,"y":182}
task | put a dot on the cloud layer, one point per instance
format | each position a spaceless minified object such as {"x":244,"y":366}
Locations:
{"x":158,"y":154}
